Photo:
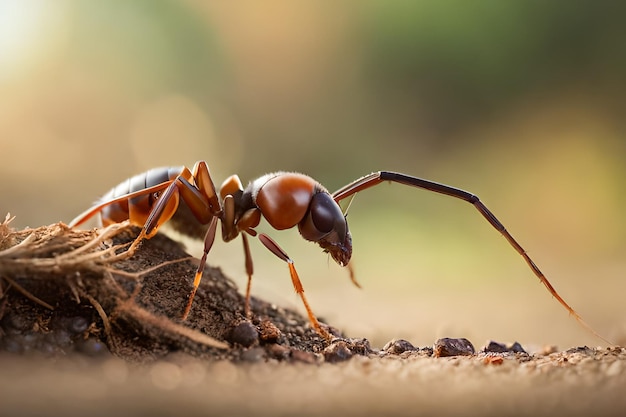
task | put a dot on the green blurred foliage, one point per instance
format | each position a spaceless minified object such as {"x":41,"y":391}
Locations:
{"x":154,"y":46}
{"x":458,"y":63}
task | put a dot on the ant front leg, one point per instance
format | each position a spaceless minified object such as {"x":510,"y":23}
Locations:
{"x":295,"y":279}
{"x":376,"y":178}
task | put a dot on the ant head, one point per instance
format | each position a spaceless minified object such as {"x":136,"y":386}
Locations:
{"x":325,"y":224}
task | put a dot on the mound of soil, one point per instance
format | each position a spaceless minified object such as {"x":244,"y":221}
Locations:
{"x":65,"y":290}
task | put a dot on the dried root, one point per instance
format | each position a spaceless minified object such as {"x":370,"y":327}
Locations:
{"x":91,"y":264}
{"x":59,"y":249}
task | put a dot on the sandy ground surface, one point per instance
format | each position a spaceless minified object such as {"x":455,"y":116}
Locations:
{"x":572,"y":384}
{"x":67,"y":361}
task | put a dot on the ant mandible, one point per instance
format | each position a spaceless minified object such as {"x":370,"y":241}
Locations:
{"x":284,"y":199}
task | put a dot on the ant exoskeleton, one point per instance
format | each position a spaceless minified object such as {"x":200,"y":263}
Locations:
{"x":284,"y":199}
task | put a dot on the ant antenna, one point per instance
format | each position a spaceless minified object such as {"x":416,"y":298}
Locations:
{"x":350,"y":200}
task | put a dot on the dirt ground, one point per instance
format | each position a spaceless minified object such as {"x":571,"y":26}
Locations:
{"x":87,"y":329}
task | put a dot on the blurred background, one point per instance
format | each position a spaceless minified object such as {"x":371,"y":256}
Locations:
{"x":519,"y":102}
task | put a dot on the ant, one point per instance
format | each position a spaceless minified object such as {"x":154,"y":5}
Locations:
{"x":284,"y":199}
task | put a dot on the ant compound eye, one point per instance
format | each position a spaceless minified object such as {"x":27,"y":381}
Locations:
{"x":324,"y":216}
{"x":325,"y":213}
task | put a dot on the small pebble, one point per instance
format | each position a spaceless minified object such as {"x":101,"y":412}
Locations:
{"x":269,"y":332}
{"x":244,"y":334}
{"x":581,"y":349}
{"x":360,"y":346}
{"x":396,"y":347}
{"x":452,"y":347}
{"x":493,"y":360}
{"x":337,"y":352}
{"x":495,"y":347}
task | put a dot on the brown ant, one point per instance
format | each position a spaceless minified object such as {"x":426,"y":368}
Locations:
{"x":284,"y":199}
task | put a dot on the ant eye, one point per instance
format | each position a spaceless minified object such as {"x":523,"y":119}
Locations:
{"x":324,"y":220}
{"x":324,"y":212}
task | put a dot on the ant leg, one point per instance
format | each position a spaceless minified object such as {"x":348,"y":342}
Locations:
{"x":92,"y":211}
{"x":204,"y":183}
{"x":297,"y":285}
{"x":353,"y":275}
{"x":249,"y":271}
{"x":162,"y":211}
{"x":167,"y":204}
{"x":201,"y":200}
{"x":379,"y":177}
{"x":209,"y":238}
{"x":376,"y":178}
